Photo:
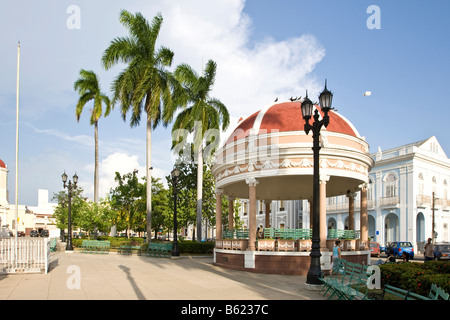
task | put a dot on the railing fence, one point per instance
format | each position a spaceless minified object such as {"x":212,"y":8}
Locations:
{"x":28,"y":256}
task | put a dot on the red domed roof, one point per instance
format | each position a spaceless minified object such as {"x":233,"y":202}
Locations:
{"x":2,"y":164}
{"x":287,"y":116}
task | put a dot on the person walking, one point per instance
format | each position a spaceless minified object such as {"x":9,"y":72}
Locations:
{"x":429,"y":251}
{"x":337,"y":250}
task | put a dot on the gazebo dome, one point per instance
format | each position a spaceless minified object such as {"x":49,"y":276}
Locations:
{"x":2,"y":164}
{"x":287,"y":116}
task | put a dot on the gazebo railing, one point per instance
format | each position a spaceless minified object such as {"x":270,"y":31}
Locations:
{"x":272,"y":233}
{"x":295,"y":234}
{"x":343,"y":234}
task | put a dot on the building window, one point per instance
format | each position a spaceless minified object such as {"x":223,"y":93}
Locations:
{"x":282,"y":205}
{"x":370,"y":190}
{"x":391,"y":186}
{"x":421,"y":184}
{"x":244,"y":207}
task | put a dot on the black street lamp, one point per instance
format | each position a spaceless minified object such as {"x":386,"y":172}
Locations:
{"x":325,"y":99}
{"x":70,"y":187}
{"x":175,"y":174}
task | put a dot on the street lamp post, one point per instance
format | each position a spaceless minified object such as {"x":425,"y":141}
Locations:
{"x":325,"y":99}
{"x":70,"y":187}
{"x":175,"y":174}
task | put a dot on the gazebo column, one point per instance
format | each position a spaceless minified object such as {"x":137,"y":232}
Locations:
{"x":351,"y":210}
{"x":252,"y":182}
{"x":219,"y":193}
{"x":323,"y":212}
{"x":267,"y":220}
{"x":364,"y":219}
{"x":230,"y":213}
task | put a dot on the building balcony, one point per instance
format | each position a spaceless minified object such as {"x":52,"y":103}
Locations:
{"x":390,"y":202}
{"x":423,"y":201}
{"x":344,"y":206}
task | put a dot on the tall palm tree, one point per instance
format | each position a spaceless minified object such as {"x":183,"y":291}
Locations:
{"x":144,"y":84}
{"x":205,"y":113}
{"x":88,"y":88}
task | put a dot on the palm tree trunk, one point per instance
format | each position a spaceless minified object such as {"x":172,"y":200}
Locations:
{"x":96,"y":165}
{"x":149,"y":178}
{"x":199,"y":191}
{"x":96,"y":186}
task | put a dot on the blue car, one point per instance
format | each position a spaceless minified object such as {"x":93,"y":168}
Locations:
{"x":397,"y":248}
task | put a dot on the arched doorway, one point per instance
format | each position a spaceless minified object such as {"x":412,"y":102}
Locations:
{"x":391,"y":227}
{"x":420,"y":227}
{"x":332,"y":224}
{"x":372,"y":227}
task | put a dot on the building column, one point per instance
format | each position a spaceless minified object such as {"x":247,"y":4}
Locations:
{"x":267,"y":220}
{"x":351,"y":210}
{"x":323,"y":212}
{"x":230,"y":213}
{"x":219,"y":193}
{"x":364,"y":218}
{"x":252,"y":182}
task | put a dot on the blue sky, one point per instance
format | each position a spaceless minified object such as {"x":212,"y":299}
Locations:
{"x":264,"y":49}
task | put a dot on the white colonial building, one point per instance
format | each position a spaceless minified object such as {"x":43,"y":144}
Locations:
{"x":38,"y":217}
{"x":400,"y":203}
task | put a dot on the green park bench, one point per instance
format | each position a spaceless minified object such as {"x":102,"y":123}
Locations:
{"x":53,"y":244}
{"x":127,"y":249}
{"x":435,"y":293}
{"x":95,"y":246}
{"x":156,"y":249}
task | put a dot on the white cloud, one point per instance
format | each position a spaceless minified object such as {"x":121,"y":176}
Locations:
{"x":250,"y":75}
{"x":117,"y":162}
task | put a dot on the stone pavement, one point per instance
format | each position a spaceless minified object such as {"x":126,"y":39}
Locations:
{"x":77,"y":276}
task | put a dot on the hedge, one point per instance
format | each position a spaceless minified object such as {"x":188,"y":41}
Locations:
{"x":184,"y":246}
{"x":115,"y":242}
{"x":416,"y":277}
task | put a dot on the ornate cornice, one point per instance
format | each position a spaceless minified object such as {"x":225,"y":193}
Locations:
{"x":288,"y":163}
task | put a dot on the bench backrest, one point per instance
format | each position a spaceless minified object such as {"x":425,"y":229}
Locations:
{"x":396,"y":291}
{"x":436,"y":293}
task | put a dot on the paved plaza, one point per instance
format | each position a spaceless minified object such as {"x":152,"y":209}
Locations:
{"x":78,"y":276}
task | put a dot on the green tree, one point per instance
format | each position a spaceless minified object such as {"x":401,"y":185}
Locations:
{"x":125,"y":199}
{"x":61,"y":212}
{"x":204,"y":114}
{"x":88,"y":88}
{"x":162,"y":206}
{"x":187,"y":192}
{"x":144,"y":84}
{"x":93,"y":216}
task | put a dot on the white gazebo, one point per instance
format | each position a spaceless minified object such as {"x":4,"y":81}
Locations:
{"x":269,"y":157}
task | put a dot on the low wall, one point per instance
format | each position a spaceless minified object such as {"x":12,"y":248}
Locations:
{"x":274,"y":262}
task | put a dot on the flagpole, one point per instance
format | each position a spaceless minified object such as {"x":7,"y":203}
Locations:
{"x":17,"y":150}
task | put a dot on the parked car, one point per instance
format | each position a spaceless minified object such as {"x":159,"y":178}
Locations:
{"x":20,"y":234}
{"x":442,"y":251}
{"x":34,"y":233}
{"x":375,"y":249}
{"x":396,"y":249}
{"x":44,"y":233}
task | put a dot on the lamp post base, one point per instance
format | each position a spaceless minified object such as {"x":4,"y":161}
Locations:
{"x":313,"y":287}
